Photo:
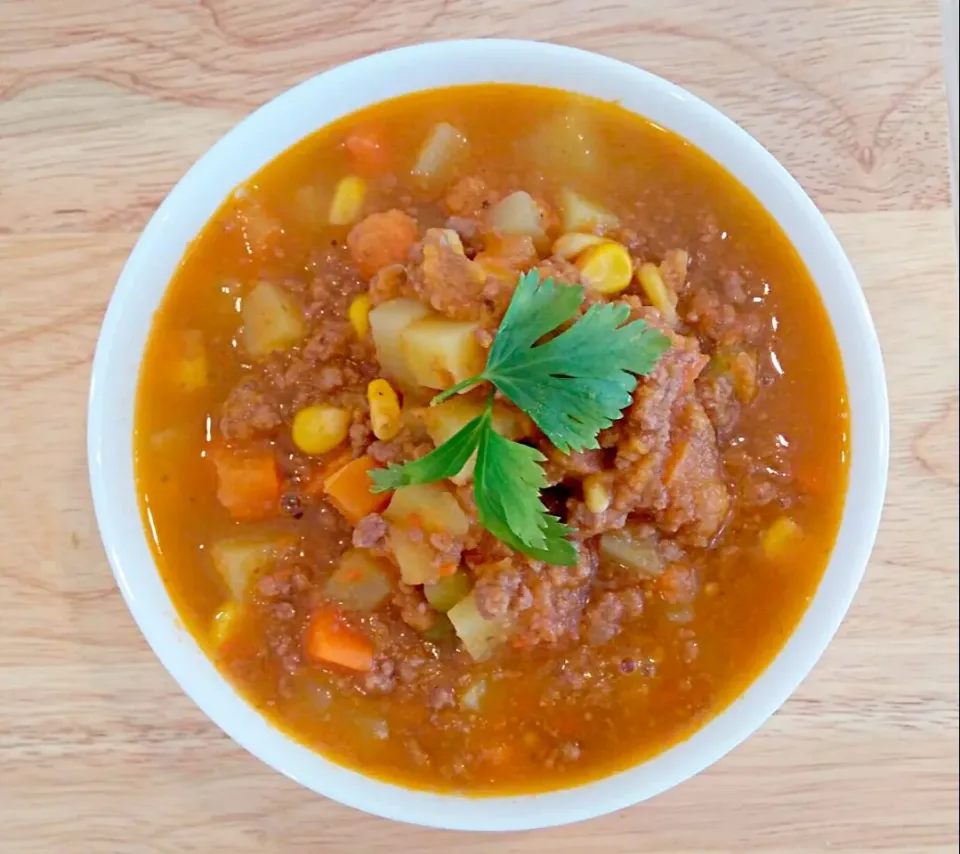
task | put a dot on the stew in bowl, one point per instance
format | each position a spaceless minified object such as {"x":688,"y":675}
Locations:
{"x":491,"y":440}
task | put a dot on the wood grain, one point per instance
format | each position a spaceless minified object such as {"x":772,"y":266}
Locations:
{"x":104,"y":105}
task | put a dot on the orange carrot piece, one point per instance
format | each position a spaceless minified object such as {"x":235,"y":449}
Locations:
{"x":329,"y":639}
{"x":349,"y":490}
{"x":248,"y":483}
{"x":315,"y":480}
{"x":368,"y":150}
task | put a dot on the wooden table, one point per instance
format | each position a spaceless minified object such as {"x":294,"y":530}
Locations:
{"x":103,"y":106}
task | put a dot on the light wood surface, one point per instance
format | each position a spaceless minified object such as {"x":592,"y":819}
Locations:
{"x":103,"y":106}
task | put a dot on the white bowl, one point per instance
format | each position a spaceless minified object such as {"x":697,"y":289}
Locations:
{"x":274,"y":128}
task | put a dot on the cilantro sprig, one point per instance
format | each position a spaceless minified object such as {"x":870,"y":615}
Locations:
{"x":572,"y":384}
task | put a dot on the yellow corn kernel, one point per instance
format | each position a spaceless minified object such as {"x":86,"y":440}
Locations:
{"x":607,"y":268}
{"x":320,"y":428}
{"x":359,"y":315}
{"x":384,"y":410}
{"x":568,"y":246}
{"x":224,"y":622}
{"x":779,"y":535}
{"x":347,"y":203}
{"x":664,"y":300}
{"x":597,"y":494}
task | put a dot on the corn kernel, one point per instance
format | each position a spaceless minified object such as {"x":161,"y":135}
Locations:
{"x":607,"y":268}
{"x":779,"y":535}
{"x":359,"y":315}
{"x":597,"y":494}
{"x":319,"y":428}
{"x":384,"y":410}
{"x":347,"y":203}
{"x":568,"y":246}
{"x":224,"y":622}
{"x":657,"y":292}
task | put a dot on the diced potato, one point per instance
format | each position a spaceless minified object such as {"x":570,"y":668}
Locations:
{"x":225,"y":622}
{"x":361,"y":581}
{"x":597,"y":493}
{"x":568,"y":246}
{"x":444,"y":593}
{"x":272,"y":320}
{"x":238,"y":559}
{"x":473,"y":696}
{"x":443,"y":149}
{"x":607,"y":268}
{"x":309,"y":206}
{"x":442,"y":352}
{"x":663,"y":299}
{"x":478,"y":635}
{"x":638,"y":554}
{"x":320,"y":428}
{"x":778,"y":537}
{"x":346,"y":206}
{"x":387,"y":321}
{"x":567,"y":142}
{"x":579,"y":214}
{"x":448,"y":418}
{"x":190,"y":370}
{"x":415,"y":557}
{"x":428,"y":506}
{"x":518,"y":213}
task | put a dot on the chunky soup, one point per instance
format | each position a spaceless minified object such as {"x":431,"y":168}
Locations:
{"x":534,"y":614}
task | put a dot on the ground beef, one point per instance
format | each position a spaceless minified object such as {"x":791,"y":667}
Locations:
{"x":381,"y":679}
{"x":382,"y":239}
{"x":603,"y":616}
{"x":370,"y":532}
{"x":447,"y":280}
{"x":469,"y":197}
{"x":442,"y":697}
{"x":249,"y":411}
{"x":413,"y":607}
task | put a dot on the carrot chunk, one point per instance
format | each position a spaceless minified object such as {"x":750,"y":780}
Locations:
{"x":329,"y":639}
{"x":248,"y":483}
{"x":368,"y":150}
{"x":348,"y":489}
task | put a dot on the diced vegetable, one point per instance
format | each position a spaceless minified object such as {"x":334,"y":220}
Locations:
{"x":359,"y":315}
{"x":348,"y":489}
{"x":190,"y":366}
{"x":446,"y":419}
{"x":248,"y":483}
{"x":568,"y":246}
{"x":478,"y":635}
{"x":579,"y":214}
{"x":441,"y":152}
{"x":387,"y":322}
{"x":272,"y":320}
{"x":320,"y":428}
{"x":518,"y":213}
{"x":442,"y":352}
{"x":663,"y":299}
{"x":440,"y":630}
{"x":225,"y":622}
{"x":262,"y":232}
{"x":607,"y":268}
{"x":239,"y":559}
{"x":444,"y":593}
{"x":636,"y":553}
{"x":473,"y":696}
{"x":567,"y":142}
{"x":384,"y":404}
{"x":310,"y":206}
{"x":382,"y":239}
{"x":329,"y":639}
{"x":415,"y":557}
{"x":368,"y":150}
{"x":346,"y":206}
{"x":741,"y":368}
{"x":361,"y":581}
{"x":430,"y":507}
{"x":778,"y":537}
{"x":597,"y":493}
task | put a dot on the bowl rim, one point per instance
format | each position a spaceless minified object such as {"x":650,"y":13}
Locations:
{"x":369,"y":80}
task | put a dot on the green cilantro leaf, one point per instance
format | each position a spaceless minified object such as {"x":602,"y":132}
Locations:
{"x":440,"y":463}
{"x":579,"y":382}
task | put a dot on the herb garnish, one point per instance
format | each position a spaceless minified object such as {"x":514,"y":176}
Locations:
{"x":573,"y":385}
